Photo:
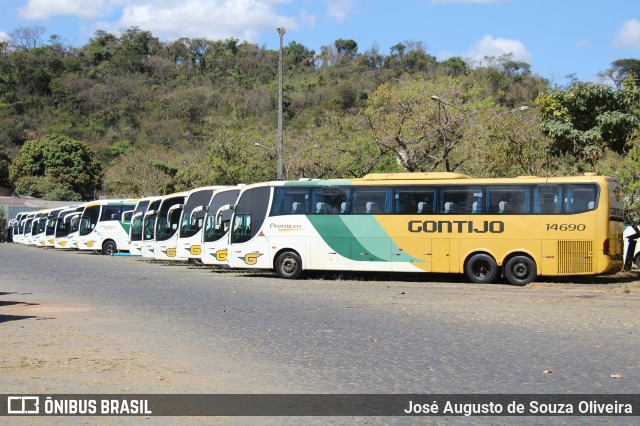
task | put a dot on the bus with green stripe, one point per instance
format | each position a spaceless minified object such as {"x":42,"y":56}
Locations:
{"x":519,"y":228}
{"x":104,"y":225}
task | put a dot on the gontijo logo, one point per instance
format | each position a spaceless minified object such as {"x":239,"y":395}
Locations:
{"x":251,"y":258}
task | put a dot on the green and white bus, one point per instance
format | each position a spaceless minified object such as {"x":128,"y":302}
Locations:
{"x":189,"y":242}
{"x":137,"y":222}
{"x":432,"y":222}
{"x":215,"y":235}
{"x":104,"y":225}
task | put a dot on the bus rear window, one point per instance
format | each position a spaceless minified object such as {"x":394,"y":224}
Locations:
{"x":580,"y":198}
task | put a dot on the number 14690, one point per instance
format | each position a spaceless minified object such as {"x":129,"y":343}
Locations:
{"x":566,"y":227}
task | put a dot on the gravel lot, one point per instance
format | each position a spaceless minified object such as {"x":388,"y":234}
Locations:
{"x":82,"y":323}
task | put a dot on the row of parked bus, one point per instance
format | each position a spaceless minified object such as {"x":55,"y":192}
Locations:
{"x":518,"y":228}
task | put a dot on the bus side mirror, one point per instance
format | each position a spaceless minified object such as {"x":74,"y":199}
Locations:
{"x":126,"y":216}
{"x":193,"y":218}
{"x":172,"y":209}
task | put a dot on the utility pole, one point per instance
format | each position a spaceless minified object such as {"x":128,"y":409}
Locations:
{"x":280,"y":175}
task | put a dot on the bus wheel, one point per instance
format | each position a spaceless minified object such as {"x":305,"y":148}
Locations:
{"x":289,"y":265}
{"x":520,"y":270}
{"x":481,"y":268}
{"x":636,"y":260}
{"x":109,"y":247}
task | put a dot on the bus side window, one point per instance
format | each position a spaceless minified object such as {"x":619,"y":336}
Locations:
{"x":548,"y":199}
{"x":414,"y":200}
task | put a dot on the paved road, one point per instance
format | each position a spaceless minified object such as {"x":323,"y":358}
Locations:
{"x":253,"y":332}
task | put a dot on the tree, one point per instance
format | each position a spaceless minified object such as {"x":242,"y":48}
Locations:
{"x":234,"y":158}
{"x":512,"y":145}
{"x":5,"y":162}
{"x":426,"y":122}
{"x":346,"y":48}
{"x":342,"y":146}
{"x":587,"y":119}
{"x":26,"y":38}
{"x":623,"y":69}
{"x":60,"y":161}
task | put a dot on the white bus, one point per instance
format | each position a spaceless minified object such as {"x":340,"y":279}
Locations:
{"x":18,"y":227}
{"x":104,"y":226}
{"x":31,"y":227}
{"x":137,"y":222}
{"x":149,"y":230}
{"x":40,"y":229}
{"x":67,"y":224}
{"x":166,"y":227}
{"x":52,"y":222}
{"x":215,"y":235}
{"x":189,"y":243}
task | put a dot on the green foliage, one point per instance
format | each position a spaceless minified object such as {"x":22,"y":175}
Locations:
{"x":63,"y":163}
{"x":425,"y":123}
{"x":3,"y":219}
{"x":234,"y":158}
{"x":47,"y":188}
{"x":165,"y":117}
{"x":622,"y":70}
{"x":587,"y":119}
{"x":5,"y":162}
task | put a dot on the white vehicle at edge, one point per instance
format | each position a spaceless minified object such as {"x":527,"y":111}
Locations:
{"x":166,"y":226}
{"x":18,"y":227}
{"x":215,"y":235}
{"x":104,"y":225}
{"x":193,"y":213}
{"x":137,"y":224}
{"x":628,"y":231}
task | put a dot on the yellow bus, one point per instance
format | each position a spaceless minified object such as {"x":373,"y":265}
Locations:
{"x":518,"y":228}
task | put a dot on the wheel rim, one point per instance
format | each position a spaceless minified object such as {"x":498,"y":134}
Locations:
{"x":520,"y":270}
{"x":289,"y":265}
{"x":481,"y":269}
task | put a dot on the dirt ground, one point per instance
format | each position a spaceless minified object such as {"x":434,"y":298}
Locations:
{"x":49,"y":347}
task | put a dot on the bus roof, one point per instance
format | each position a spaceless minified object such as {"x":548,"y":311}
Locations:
{"x":107,"y":202}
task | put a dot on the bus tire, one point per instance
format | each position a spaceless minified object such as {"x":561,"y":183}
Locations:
{"x":636,"y":260}
{"x":289,"y":265}
{"x":481,"y":268}
{"x":109,"y":247}
{"x":520,"y":270}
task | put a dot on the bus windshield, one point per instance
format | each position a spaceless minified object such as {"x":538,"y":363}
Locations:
{"x":89,"y":219}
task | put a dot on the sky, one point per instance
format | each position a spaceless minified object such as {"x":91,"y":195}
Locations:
{"x":557,"y":38}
